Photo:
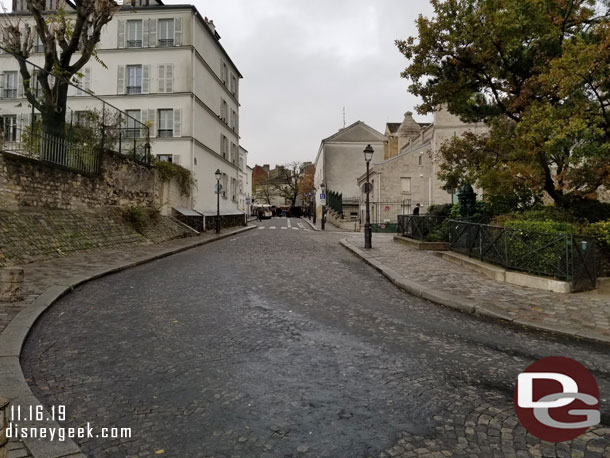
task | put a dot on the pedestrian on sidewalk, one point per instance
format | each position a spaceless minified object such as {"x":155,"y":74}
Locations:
{"x":416,"y":210}
{"x":259,"y":214}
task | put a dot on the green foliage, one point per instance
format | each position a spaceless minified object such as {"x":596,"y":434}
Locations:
{"x":136,"y":217}
{"x":601,"y":231}
{"x":184,"y":177}
{"x":536,"y":72}
{"x":548,"y":226}
{"x":440,"y":210}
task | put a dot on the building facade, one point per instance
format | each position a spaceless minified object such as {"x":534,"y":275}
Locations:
{"x":340,"y":160}
{"x":164,"y":65}
{"x":410,"y":178}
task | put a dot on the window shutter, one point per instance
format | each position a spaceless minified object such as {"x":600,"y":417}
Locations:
{"x":169,"y":78}
{"x":145,"y":79}
{"x":19,"y":85}
{"x":178,"y":31}
{"x":176,"y":159}
{"x":1,"y":85}
{"x":145,"y":33}
{"x":87,"y":82}
{"x":178,"y":123}
{"x":121,"y":34}
{"x":120,"y":79}
{"x":161,"y":78}
{"x":153,"y":122}
{"x":25,"y":121}
{"x":152,"y":30}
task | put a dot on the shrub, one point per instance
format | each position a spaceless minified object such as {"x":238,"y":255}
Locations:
{"x":548,"y":225}
{"x":137,"y":217}
{"x":440,"y":210}
{"x":601,"y":231}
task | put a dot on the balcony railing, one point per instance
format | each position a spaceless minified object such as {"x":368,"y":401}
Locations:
{"x":134,"y":43}
{"x":166,"y":42}
{"x":133,"y":132}
{"x":134,"y":89}
{"x":164,"y":133}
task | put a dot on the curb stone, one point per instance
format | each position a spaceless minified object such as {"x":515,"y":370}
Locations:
{"x":12,"y":380}
{"x":460,"y":303}
{"x":311,"y":224}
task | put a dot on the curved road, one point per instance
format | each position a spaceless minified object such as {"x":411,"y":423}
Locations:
{"x":280,"y":343}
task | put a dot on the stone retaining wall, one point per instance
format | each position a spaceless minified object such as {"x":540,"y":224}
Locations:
{"x":225,"y":221}
{"x":29,"y":235}
{"x":26,"y":182}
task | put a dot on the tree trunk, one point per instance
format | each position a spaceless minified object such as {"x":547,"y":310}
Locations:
{"x":53,"y":145}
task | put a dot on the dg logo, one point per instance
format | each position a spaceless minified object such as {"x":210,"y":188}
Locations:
{"x":557,"y":399}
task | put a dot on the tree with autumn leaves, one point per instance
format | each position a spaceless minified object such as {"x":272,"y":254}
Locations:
{"x":537,"y":72}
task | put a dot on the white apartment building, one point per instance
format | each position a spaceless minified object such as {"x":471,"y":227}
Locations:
{"x":167,"y":68}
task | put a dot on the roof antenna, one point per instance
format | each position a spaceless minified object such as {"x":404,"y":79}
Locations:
{"x":344,"y":117}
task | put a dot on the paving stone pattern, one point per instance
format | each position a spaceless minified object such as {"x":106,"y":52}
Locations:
{"x":583,"y":313}
{"x":283,"y":344}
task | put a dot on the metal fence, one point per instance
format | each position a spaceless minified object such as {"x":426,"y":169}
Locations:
{"x":565,"y":257}
{"x":420,"y":227}
{"x":92,"y":125}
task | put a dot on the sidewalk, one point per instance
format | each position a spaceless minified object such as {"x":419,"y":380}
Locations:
{"x":583,"y":315}
{"x":44,"y":283}
{"x":327,"y":227}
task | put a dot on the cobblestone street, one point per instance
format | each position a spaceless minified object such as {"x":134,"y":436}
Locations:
{"x":280,"y":343}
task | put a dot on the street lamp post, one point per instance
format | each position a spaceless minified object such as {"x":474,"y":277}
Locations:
{"x":218,"y":175}
{"x":323,"y":190}
{"x":368,"y":236}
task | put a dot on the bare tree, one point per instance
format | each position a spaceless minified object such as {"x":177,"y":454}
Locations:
{"x":69,"y":40}
{"x":286,"y":180}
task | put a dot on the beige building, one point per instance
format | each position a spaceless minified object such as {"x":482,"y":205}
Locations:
{"x":400,"y":134}
{"x":411,"y":177}
{"x":340,"y":161}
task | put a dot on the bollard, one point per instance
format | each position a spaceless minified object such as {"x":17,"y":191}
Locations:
{"x":11,"y":284}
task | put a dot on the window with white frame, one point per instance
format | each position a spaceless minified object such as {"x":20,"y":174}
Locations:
{"x":8,"y":127}
{"x":166,"y":123}
{"x":133,"y":124}
{"x":134,"y":79}
{"x":420,"y":159}
{"x":224,"y":73}
{"x":134,"y":34}
{"x":38,"y":46}
{"x":225,"y":183}
{"x":166,"y":33}
{"x":233,"y":189}
{"x":165,"y":157}
{"x":233,"y":153}
{"x":10,"y":85}
{"x":224,"y":146}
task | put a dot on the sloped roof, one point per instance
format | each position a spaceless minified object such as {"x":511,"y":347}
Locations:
{"x":393,"y":127}
{"x":358,"y":124}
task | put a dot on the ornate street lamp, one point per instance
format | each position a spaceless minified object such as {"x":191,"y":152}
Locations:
{"x":218,"y":176}
{"x":368,"y":236}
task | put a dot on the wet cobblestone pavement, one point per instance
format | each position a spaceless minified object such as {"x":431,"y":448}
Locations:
{"x":280,"y":343}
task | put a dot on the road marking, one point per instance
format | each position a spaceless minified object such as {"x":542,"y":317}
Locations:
{"x":296,"y":228}
{"x":301,"y":225}
{"x":288,"y":222}
{"x":272,"y":227}
{"x":307,"y":230}
{"x":261,"y":227}
{"x":283,"y":228}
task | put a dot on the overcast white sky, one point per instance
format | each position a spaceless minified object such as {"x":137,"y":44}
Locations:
{"x":304,"y":60}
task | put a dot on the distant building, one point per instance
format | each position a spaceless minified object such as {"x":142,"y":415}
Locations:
{"x":340,"y":161}
{"x":411,"y":177}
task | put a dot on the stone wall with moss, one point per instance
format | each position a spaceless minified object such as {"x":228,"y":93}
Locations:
{"x":27,"y":182}
{"x":38,"y":234}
